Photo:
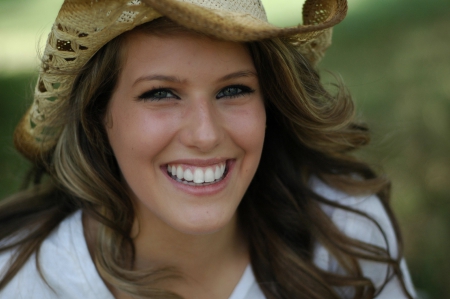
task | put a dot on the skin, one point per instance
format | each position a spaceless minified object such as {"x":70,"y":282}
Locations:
{"x":195,"y":101}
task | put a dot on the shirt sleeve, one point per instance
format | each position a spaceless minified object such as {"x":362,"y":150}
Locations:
{"x":363,"y":229}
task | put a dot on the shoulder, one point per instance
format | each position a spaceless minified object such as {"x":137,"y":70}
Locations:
{"x":65,"y":264}
{"x":376,"y":229}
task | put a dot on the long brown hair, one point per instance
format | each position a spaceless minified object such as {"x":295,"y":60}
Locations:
{"x":310,"y":133}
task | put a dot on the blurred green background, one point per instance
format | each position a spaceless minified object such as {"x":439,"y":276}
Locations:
{"x":394,"y":55}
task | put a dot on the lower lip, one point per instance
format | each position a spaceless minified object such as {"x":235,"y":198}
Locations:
{"x":210,"y":189}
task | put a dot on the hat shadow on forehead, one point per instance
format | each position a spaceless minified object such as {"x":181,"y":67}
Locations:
{"x":82,"y":27}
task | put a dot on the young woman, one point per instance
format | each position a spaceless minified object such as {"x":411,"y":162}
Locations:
{"x":188,"y":150}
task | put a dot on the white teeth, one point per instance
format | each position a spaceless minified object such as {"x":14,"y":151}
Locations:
{"x":179,"y":172}
{"x":197,"y":175}
{"x":209,"y":175}
{"x":218,"y":173}
{"x":188,"y":176}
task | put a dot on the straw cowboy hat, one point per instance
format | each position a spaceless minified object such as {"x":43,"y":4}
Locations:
{"x":82,"y":27}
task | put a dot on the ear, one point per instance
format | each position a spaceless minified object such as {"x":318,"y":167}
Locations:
{"x":108,"y":119}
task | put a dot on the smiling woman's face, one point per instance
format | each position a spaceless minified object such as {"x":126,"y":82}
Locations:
{"x":186,"y":123}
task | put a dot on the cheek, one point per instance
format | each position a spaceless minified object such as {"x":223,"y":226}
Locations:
{"x":248,"y":127}
{"x":136,"y":134}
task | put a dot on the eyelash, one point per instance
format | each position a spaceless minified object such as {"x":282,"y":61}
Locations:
{"x":151,"y":94}
{"x":244,"y":90}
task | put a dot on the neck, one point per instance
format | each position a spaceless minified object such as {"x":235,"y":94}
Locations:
{"x":159,"y":245}
{"x":210,"y":265}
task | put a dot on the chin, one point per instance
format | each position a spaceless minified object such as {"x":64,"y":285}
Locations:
{"x":203,"y":225}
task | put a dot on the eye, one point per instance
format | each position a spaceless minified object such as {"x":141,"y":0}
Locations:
{"x":234,"y":91}
{"x":157,"y":95}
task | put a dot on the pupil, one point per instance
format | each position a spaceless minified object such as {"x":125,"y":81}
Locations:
{"x":160,"y":94}
{"x":230,"y":91}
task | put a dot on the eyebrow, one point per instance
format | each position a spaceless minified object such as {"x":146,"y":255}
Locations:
{"x":160,"y":77}
{"x":245,"y":73}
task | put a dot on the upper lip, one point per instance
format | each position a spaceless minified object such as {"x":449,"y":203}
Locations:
{"x":198,"y":162}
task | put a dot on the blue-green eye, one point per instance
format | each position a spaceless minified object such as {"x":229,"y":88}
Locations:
{"x":234,"y":91}
{"x":157,"y":95}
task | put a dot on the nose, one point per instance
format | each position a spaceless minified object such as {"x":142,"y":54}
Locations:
{"x":202,"y":128}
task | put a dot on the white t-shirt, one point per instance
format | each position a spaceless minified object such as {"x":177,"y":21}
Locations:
{"x":70,"y":272}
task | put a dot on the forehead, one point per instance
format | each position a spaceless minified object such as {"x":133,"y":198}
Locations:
{"x":144,"y":52}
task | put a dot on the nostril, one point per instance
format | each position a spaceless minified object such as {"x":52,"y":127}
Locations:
{"x":205,"y":135}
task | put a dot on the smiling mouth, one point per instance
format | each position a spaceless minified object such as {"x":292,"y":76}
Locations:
{"x":198,"y":176}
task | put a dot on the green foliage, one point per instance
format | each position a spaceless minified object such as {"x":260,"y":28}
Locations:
{"x":15,"y":97}
{"x":394,"y":59}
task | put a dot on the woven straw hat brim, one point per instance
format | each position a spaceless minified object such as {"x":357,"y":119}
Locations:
{"x":317,"y":15}
{"x":82,"y":27}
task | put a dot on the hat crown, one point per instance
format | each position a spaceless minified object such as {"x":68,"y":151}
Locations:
{"x":250,"y":7}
